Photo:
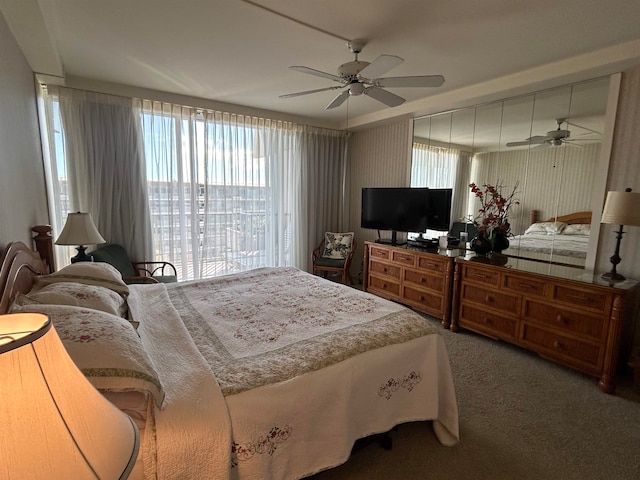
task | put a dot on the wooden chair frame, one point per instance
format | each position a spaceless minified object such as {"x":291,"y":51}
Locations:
{"x":344,"y":270}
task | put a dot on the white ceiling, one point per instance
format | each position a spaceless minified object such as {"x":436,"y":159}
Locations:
{"x":235,"y":52}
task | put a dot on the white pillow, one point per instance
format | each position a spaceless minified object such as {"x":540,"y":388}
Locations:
{"x":545,"y":228}
{"x":577,"y":229}
{"x":337,"y":245}
{"x":105,"y":347}
{"x":89,"y":273}
{"x":79,"y":295}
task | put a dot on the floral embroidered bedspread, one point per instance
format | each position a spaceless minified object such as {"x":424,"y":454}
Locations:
{"x":564,"y":245}
{"x":272,"y":324}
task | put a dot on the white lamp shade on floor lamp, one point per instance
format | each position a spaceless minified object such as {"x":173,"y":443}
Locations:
{"x":53,"y":422}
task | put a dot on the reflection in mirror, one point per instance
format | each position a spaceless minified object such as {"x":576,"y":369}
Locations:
{"x":545,"y":145}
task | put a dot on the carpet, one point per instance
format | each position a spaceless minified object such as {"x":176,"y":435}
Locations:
{"x":521,"y":417}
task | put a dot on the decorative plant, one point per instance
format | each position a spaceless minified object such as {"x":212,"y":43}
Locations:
{"x":493,"y":215}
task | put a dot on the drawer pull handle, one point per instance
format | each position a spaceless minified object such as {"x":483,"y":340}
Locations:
{"x":558,"y":345}
{"x":422,"y":298}
{"x":384,"y":285}
{"x":431,"y":265}
{"x":486,"y":320}
{"x":423,"y":280}
{"x":479,"y":275}
{"x":384,"y":269}
{"x":526,"y":285}
{"x":561,"y":319}
{"x":488,"y":299}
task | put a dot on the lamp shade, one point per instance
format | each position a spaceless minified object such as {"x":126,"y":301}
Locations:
{"x":54,"y":423}
{"x":79,"y":229}
{"x":622,"y":208}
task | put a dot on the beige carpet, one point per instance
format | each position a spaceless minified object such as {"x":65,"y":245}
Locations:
{"x":521,"y":417}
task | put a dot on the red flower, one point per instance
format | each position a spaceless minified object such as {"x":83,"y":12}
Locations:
{"x":493,"y":214}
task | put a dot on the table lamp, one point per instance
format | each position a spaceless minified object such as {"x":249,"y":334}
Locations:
{"x":80,"y":230}
{"x":55,"y":424}
{"x":620,"y":208}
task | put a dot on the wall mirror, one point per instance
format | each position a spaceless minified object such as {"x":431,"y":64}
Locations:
{"x":545,"y":145}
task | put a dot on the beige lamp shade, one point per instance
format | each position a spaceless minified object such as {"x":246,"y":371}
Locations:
{"x":79,"y":229}
{"x":622,"y":208}
{"x":54,"y":423}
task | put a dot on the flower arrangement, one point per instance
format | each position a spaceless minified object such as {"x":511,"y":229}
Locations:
{"x":493,"y":215}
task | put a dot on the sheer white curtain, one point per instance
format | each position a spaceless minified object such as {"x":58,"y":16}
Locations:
{"x":231,"y":192}
{"x":99,"y":167}
{"x":440,"y":167}
{"x":212,"y":192}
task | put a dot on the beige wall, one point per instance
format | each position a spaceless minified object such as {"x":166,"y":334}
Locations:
{"x":379,"y":157}
{"x":624,"y":171}
{"x":22,"y":187}
{"x":374,"y":164}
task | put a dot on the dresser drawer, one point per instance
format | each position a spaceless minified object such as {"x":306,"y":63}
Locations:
{"x":568,"y":320}
{"x":528,"y":286}
{"x":379,"y":252}
{"x":582,"y":298}
{"x":385,"y":269}
{"x":563,"y":348}
{"x":491,"y":298}
{"x":489,"y":323}
{"x":429,"y":300}
{"x":482,"y":275}
{"x":433,"y":264}
{"x":384,"y":284}
{"x":403,"y":258}
{"x":424,"y":280}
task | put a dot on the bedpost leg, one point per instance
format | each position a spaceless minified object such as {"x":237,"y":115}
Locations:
{"x":44,"y":244}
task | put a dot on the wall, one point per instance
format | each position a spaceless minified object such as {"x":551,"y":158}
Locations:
{"x":23,"y":201}
{"x":624,"y":171}
{"x":380,"y":157}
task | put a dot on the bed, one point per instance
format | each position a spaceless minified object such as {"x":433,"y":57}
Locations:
{"x":563,"y":239}
{"x":271,"y":373}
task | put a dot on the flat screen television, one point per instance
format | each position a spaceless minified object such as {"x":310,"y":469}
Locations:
{"x":405,"y":209}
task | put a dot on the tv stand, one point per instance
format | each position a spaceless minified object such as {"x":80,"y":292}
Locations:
{"x":393,"y":241}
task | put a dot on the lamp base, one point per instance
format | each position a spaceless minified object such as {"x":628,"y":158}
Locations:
{"x":81,"y":256}
{"x":614,"y":276}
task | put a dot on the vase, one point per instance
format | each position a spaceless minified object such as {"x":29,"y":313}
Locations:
{"x":480,"y":244}
{"x":499,"y":242}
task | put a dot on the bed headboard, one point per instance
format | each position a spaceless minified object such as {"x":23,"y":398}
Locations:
{"x":571,"y":218}
{"x":18,"y":270}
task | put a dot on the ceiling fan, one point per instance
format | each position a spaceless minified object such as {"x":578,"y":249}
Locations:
{"x":363,"y":78}
{"x":555,"y":138}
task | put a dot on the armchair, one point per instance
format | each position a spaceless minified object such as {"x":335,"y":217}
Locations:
{"x":135,"y":272}
{"x":334,"y":255}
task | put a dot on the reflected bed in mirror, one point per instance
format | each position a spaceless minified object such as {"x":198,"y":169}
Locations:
{"x":560,"y":240}
{"x":552,"y":146}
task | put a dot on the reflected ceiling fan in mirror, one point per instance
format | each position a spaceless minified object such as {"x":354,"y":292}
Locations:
{"x":363,"y":78}
{"x":557,"y":137}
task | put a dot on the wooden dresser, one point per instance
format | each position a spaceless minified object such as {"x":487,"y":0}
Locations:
{"x":567,"y":315}
{"x":417,"y":278}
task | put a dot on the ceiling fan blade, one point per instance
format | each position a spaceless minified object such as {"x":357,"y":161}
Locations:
{"x":297,"y":94}
{"x":339,"y":100}
{"x":537,"y":140}
{"x":388,"y":98}
{"x":380,"y":65}
{"x":416,"y":81}
{"x":317,"y":73}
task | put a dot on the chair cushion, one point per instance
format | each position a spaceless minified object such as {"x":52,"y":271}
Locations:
{"x":337,"y":245}
{"x":166,"y":278}
{"x":117,"y":256}
{"x":329,"y":262}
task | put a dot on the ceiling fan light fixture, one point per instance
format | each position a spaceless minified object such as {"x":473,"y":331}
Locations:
{"x":356,"y":89}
